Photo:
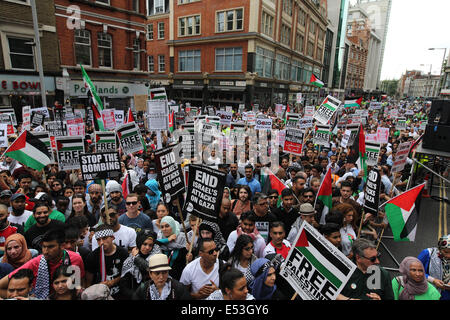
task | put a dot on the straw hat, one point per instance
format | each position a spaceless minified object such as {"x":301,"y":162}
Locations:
{"x":159,"y":262}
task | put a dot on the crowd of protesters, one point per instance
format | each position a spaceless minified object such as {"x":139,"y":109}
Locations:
{"x":59,"y":240}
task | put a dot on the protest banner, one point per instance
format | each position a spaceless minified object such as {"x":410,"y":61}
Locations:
{"x":299,"y":97}
{"x":45,"y":138}
{"x":225,"y":117}
{"x":374,"y":105}
{"x":109,"y":119}
{"x":170,"y":176}
{"x":3,"y":135}
{"x":120,"y":117}
{"x":12,"y":115}
{"x":400,"y":124}
{"x":305,"y":123}
{"x":208,"y":131}
{"x":308,"y":112}
{"x":6,"y":118}
{"x":393,"y":114}
{"x":382,"y":135}
{"x":56,"y":128}
{"x":68,"y":151}
{"x":293,"y":141}
{"x":372,"y":152}
{"x":37,"y":119}
{"x":157,"y":115}
{"x":281,"y":137}
{"x":250,"y":118}
{"x":292,"y":120}
{"x":43,"y":111}
{"x":400,"y":156}
{"x":100,"y":165}
{"x":326,"y":110}
{"x":371,"y":137}
{"x":214,"y":120}
{"x":372,"y":192}
{"x":105,"y":141}
{"x":130,"y":138}
{"x":263,"y":124}
{"x":26,"y":118}
{"x":205,"y":190}
{"x":315,"y":268}
{"x":322,"y":135}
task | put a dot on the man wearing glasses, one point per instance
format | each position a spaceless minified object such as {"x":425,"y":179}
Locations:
{"x":133,"y":218}
{"x":262,"y":214}
{"x":201,"y":276}
{"x":309,"y":196}
{"x":369,"y":281}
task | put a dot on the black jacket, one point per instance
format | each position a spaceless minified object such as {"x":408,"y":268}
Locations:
{"x":178,"y":291}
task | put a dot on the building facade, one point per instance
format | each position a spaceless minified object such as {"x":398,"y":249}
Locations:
{"x":237,"y":52}
{"x":19,"y":79}
{"x":107,"y":37}
{"x":445,"y":89}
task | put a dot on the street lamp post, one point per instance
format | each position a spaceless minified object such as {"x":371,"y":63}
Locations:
{"x":429,"y":80}
{"x":441,"y":73}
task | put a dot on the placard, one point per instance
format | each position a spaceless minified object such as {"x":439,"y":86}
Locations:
{"x":205,"y":190}
{"x":293,"y":141}
{"x":322,"y":135}
{"x":354,"y":129}
{"x":170,"y":176}
{"x":103,"y":165}
{"x":157,"y":115}
{"x":309,"y":112}
{"x":372,"y":152}
{"x":130,"y":138}
{"x":263,"y":124}
{"x":68,"y":151}
{"x":237,"y":134}
{"x":105,"y":141}
{"x":225,"y":117}
{"x":382,"y":135}
{"x":400,"y":156}
{"x":292,"y":120}
{"x":401,"y":124}
{"x":345,"y":138}
{"x":326,"y":110}
{"x":56,"y":128}
{"x":372,"y":192}
{"x":305,"y":123}
{"x":3,"y":135}
{"x":120,"y":117}
{"x":26,"y":118}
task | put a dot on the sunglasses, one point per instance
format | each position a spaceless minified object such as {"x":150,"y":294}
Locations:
{"x":212,"y":251}
{"x":305,"y":196}
{"x":374,"y":258}
{"x":55,"y":184}
{"x":131,"y":203}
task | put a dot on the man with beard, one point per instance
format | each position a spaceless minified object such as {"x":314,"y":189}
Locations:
{"x":123,"y":236}
{"x":95,"y":199}
{"x":18,"y":213}
{"x":43,"y":223}
{"x":5,"y":198}
{"x":286,"y":213}
{"x":24,"y":185}
{"x":309,"y":196}
{"x":5,"y":227}
{"x":233,"y":176}
{"x":116,"y":198}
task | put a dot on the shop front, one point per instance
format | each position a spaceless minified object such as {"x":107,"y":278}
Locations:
{"x":262,"y":93}
{"x":189,"y":91}
{"x":224,"y":93}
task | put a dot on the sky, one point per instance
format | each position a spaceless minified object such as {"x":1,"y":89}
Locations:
{"x":415,"y":26}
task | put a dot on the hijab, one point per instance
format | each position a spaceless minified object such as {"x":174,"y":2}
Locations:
{"x":24,"y":256}
{"x":153,"y":194}
{"x":411,"y":287}
{"x":260,"y":269}
{"x":214,"y":228}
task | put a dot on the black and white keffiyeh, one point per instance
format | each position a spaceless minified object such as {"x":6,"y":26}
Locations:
{"x":42,"y":288}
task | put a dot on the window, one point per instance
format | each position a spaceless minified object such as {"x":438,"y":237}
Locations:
{"x":159,"y":6}
{"x":161,"y":63}
{"x":264,"y":62}
{"x":189,"y":60}
{"x":135,"y":5}
{"x":160,"y":30}
{"x":267,"y":24}
{"x":150,"y":31}
{"x":296,"y":71}
{"x":285,"y":35}
{"x":301,"y":18}
{"x":231,"y":20}
{"x":103,"y":1}
{"x":186,"y":1}
{"x":299,"y":42}
{"x":319,"y":54}
{"x":83,"y":47}
{"x":310,"y":49}
{"x":282,"y":66}
{"x":151,"y":64}
{"x":21,"y":53}
{"x":307,"y":71}
{"x":229,"y":59}
{"x":287,"y":6}
{"x":104,"y":50}
{"x":312,"y":27}
{"x":189,"y":26}
{"x":136,"y":54}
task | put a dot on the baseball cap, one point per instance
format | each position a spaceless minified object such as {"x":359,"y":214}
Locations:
{"x":17,"y":195}
{"x":5,"y":193}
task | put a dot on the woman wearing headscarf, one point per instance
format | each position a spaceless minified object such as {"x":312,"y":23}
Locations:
{"x":208,"y":229}
{"x":135,"y":267}
{"x":263,"y":286}
{"x":173,"y":244}
{"x":16,"y":251}
{"x":412,"y":284}
{"x":153,"y":194}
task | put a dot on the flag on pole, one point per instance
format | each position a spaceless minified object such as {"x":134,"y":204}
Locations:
{"x":271,"y":181}
{"x":157,"y":94}
{"x":102,"y":265}
{"x":325,"y":194}
{"x":30,"y":151}
{"x":98,"y":119}
{"x":171,"y":121}
{"x":358,"y":151}
{"x":403,"y":213}
{"x":94,"y":101}
{"x":353,"y":103}
{"x":315,"y":81}
{"x":126,"y":186}
{"x":130,"y":117}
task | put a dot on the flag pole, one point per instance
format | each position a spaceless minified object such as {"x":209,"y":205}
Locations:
{"x":105,"y":200}
{"x":177,"y":203}
{"x":191,"y":246}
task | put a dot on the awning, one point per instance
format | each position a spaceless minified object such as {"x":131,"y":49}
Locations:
{"x":227,"y":88}
{"x":186,"y":87}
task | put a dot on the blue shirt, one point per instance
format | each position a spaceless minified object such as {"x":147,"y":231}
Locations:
{"x":253,"y":184}
{"x":142,"y":221}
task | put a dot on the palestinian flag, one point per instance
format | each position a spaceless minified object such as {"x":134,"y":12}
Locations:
{"x":45,"y":138}
{"x":30,"y":151}
{"x":130,"y":117}
{"x":98,"y":119}
{"x":403,"y":213}
{"x":105,"y":141}
{"x":315,"y":81}
{"x":325,"y":194}
{"x":64,"y":144}
{"x":157,"y":94}
{"x":126,"y":186}
{"x":271,"y":181}
{"x":321,"y":258}
{"x":94,"y":101}
{"x":358,"y":151}
{"x":171,"y":121}
{"x":353,"y":103}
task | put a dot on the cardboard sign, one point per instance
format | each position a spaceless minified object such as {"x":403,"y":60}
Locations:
{"x":103,"y":165}
{"x":26,"y":118}
{"x":401,"y":124}
{"x":293,"y":141}
{"x":309,"y":112}
{"x":326,"y":110}
{"x":56,"y":128}
{"x":119,"y":116}
{"x":170,"y":176}
{"x":322,"y":135}
{"x":372,"y":192}
{"x":400,"y":156}
{"x":372,"y":152}
{"x":225,"y":117}
{"x":68,"y":151}
{"x":315,"y":268}
{"x":130,"y":138}
{"x":157,"y":115}
{"x":263,"y":124}
{"x":105,"y":141}
{"x":205,"y":190}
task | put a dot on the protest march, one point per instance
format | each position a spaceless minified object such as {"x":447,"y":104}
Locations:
{"x":180,"y":202}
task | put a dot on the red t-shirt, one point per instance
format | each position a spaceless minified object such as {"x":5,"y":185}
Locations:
{"x":5,"y":233}
{"x":284,"y":251}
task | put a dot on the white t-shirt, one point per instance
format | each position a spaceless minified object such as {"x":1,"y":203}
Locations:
{"x":259,"y":244}
{"x":124,"y":237}
{"x":20,"y":219}
{"x":194,"y":276}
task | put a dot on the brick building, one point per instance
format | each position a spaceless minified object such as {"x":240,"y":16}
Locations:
{"x":19,"y":79}
{"x":108,"y":37}
{"x":236,"y":52}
